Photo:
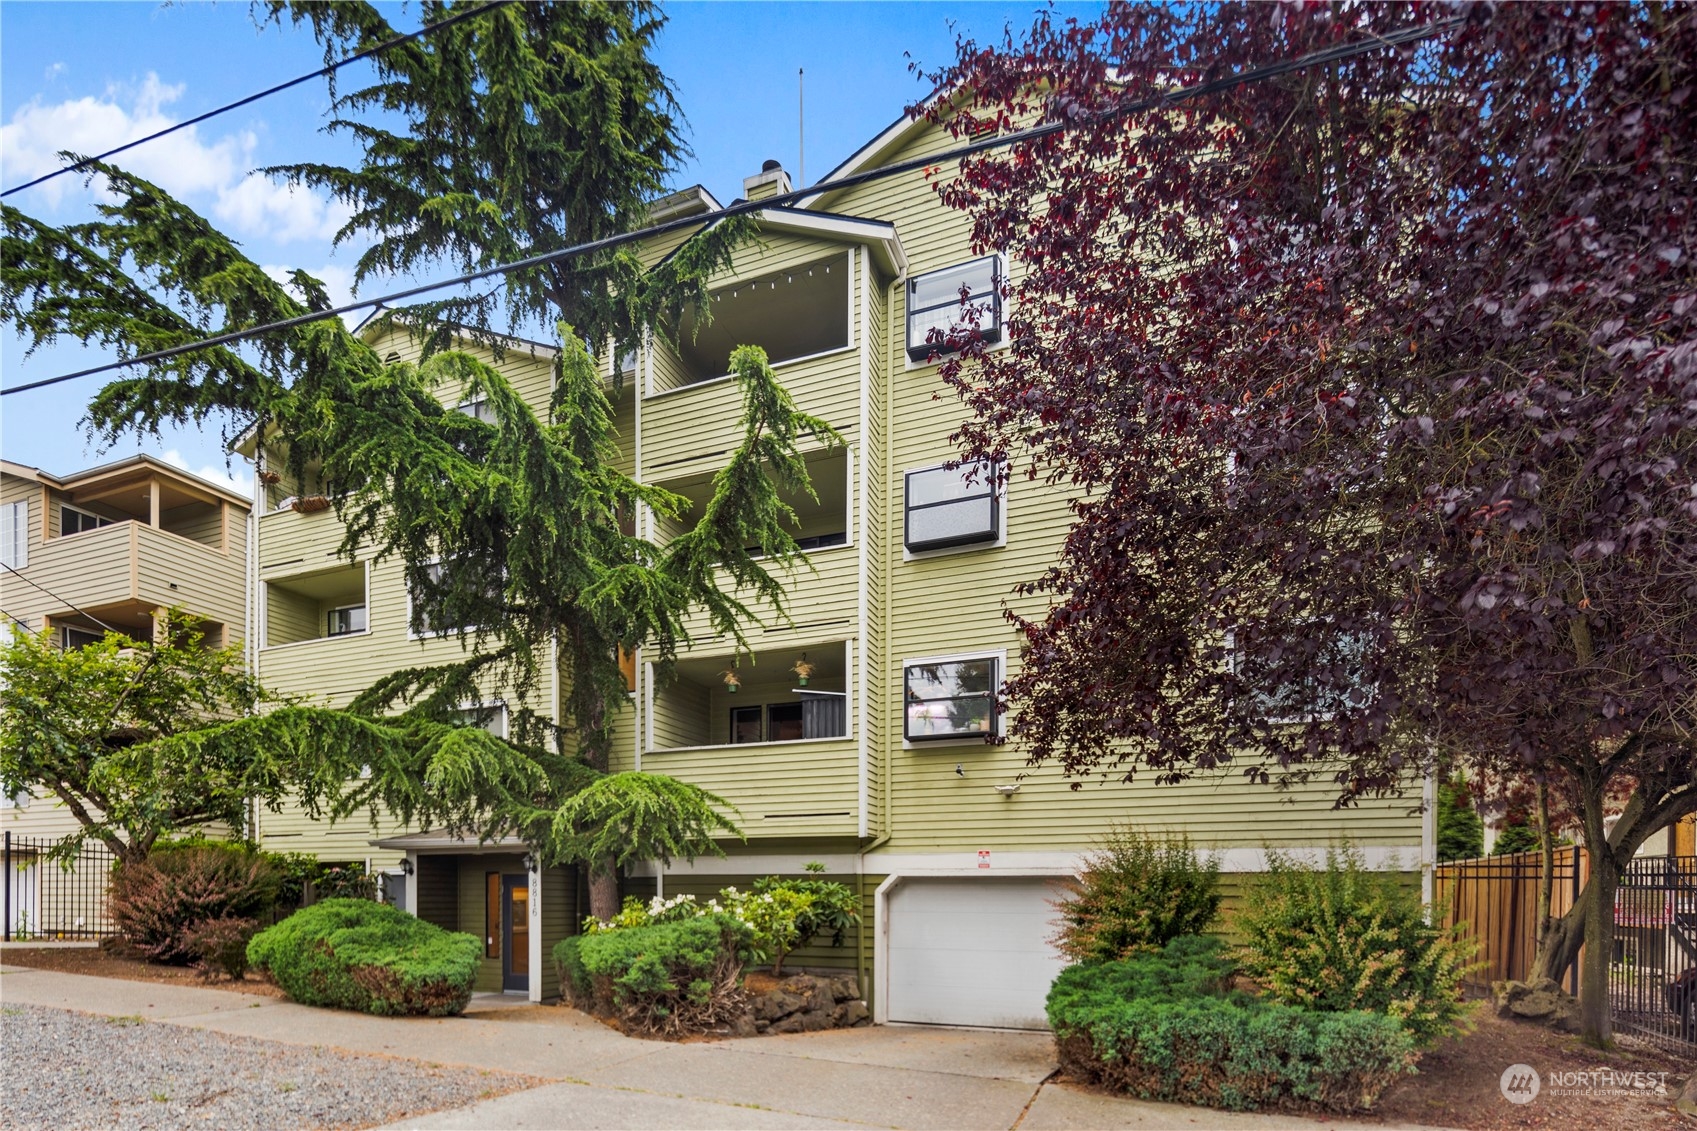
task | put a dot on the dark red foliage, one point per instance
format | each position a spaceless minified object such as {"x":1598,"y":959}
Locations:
{"x":1375,"y":386}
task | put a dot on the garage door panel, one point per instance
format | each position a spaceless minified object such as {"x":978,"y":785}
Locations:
{"x":972,"y":951}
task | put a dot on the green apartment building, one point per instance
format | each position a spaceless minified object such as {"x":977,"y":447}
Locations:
{"x":876,"y":764}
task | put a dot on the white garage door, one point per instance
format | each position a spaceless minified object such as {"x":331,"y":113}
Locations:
{"x":972,"y":951}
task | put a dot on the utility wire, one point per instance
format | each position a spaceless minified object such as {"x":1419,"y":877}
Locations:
{"x":322,"y":72}
{"x":1328,"y":55}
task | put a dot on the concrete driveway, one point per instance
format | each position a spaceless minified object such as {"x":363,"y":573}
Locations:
{"x":908,"y":1077}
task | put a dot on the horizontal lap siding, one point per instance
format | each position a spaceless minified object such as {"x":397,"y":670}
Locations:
{"x":82,"y":571}
{"x":176,"y":571}
{"x":560,"y":916}
{"x":821,"y":601}
{"x":956,"y":603}
{"x":773,"y":785}
{"x":692,"y":430}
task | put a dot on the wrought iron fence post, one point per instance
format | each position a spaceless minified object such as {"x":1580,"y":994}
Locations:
{"x":8,"y":883}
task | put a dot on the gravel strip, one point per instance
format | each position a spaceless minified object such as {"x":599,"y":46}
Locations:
{"x":67,"y":1070}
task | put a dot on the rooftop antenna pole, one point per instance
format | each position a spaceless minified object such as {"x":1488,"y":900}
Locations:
{"x":801,"y":125}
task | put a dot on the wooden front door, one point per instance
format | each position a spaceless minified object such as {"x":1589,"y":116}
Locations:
{"x":515,"y":932}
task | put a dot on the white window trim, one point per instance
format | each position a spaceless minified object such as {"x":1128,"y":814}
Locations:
{"x":366,"y":631}
{"x":20,"y":533}
{"x":997,"y":543}
{"x":909,"y":364}
{"x":506,"y":716}
{"x":434,"y":634}
{"x":1272,"y":720}
{"x":999,"y":655}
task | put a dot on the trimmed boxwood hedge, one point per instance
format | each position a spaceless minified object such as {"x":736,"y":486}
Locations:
{"x":670,"y":978}
{"x":356,"y":954}
{"x":1165,"y":1027}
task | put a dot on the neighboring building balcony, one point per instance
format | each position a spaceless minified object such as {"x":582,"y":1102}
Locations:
{"x":123,"y":570}
{"x":780,"y":746}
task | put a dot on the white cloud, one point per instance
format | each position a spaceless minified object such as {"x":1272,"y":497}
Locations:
{"x":285,"y":213}
{"x":188,"y":165}
{"x":338,"y":284}
{"x":53,"y":71}
{"x":233,"y":478}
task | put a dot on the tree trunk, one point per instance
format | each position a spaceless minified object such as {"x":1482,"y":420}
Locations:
{"x":604,"y":890}
{"x":1595,"y":1024}
{"x":1559,"y":945}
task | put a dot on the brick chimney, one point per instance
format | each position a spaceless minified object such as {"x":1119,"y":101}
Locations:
{"x":770,"y":181}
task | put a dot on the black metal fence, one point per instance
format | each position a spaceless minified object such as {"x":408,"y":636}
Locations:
{"x":1653,"y":971}
{"x":50,"y":899}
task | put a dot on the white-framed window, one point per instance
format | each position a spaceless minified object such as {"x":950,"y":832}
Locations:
{"x":950,"y":698}
{"x":934,"y":303}
{"x":345,"y":620}
{"x":75,"y":520}
{"x":14,"y":534}
{"x":491,"y":716}
{"x":1294,"y":701}
{"x":478,"y":408}
{"x":71,"y":637}
{"x":426,"y":628}
{"x":948,"y":508}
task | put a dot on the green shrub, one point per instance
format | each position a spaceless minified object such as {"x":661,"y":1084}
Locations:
{"x":797,"y":911}
{"x":668,"y":978}
{"x":1137,"y":893}
{"x":1461,"y":834}
{"x":158,"y":902}
{"x":1343,"y":938}
{"x":356,"y":954}
{"x":1162,"y":1026}
{"x":344,"y":881}
{"x":1515,"y":838}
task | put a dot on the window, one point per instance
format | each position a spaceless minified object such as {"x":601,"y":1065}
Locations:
{"x":952,"y":507}
{"x":745,"y":724}
{"x":492,"y":717}
{"x":457,"y":617}
{"x":1337,"y":662}
{"x":74,"y":521}
{"x":346,"y":620}
{"x":949,"y":699}
{"x":934,"y":303}
{"x":70,"y":638}
{"x":14,"y":534}
{"x":784,"y":723}
{"x":478,"y":408}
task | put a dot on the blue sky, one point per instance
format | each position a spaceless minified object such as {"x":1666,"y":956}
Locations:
{"x":88,"y":76}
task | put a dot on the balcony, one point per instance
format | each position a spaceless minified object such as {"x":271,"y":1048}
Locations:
{"x":810,"y":331}
{"x":321,"y":605}
{"x":780,"y":749}
{"x":125,"y":569}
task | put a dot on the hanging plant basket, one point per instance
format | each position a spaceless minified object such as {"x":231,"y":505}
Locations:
{"x":310,"y":504}
{"x":270,"y":478}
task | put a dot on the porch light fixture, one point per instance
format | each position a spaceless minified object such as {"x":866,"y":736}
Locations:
{"x":406,"y":866}
{"x":529,"y":862}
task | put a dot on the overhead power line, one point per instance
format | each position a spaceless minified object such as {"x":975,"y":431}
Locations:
{"x":322,"y":72}
{"x":1335,"y":54}
{"x":21,"y":576}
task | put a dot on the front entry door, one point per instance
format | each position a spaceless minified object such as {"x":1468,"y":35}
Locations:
{"x":515,"y":932}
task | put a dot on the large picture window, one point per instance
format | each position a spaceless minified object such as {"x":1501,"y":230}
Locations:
{"x":460,"y":612}
{"x":74,"y":521}
{"x":952,"y":507}
{"x":934,"y":303}
{"x":949,"y":699}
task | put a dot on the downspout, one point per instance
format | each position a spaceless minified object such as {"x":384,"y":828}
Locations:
{"x":1428,"y":839}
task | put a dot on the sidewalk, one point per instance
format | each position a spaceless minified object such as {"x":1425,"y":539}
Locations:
{"x":908,"y":1077}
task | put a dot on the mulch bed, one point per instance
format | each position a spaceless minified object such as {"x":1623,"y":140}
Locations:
{"x":1459,"y":1084}
{"x":102,"y":962}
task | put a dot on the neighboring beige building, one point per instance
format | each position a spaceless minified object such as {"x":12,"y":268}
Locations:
{"x":877,"y":764}
{"x":113,"y":546}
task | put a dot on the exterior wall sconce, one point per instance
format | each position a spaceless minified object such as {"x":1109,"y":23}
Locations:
{"x":407,"y":868}
{"x":529,"y":862}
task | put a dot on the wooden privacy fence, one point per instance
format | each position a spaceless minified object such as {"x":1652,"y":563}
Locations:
{"x":1496,"y":897}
